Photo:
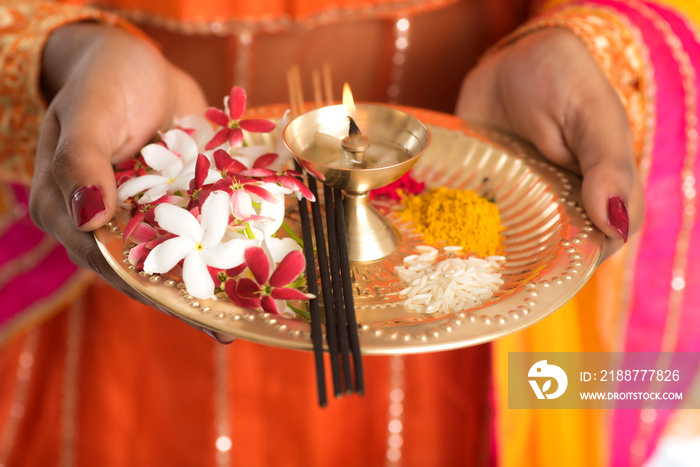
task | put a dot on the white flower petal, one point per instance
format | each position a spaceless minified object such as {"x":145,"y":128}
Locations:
{"x":274,"y":211}
{"x":277,"y":191}
{"x":190,"y":167}
{"x":215,"y":212}
{"x":248,"y":154}
{"x":160,"y":158}
{"x":182,"y":144}
{"x":227,"y":255}
{"x":203,"y":130}
{"x":278,"y":248}
{"x":284,"y":309}
{"x":154,"y":193}
{"x":212,"y":176}
{"x":166,"y":255}
{"x":284,"y":155}
{"x":181,"y":182}
{"x":137,"y":185}
{"x":196,"y":276}
{"x":178,"y":221}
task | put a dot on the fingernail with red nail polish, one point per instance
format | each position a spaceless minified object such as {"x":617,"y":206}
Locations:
{"x":618,"y":217}
{"x":87,"y":202}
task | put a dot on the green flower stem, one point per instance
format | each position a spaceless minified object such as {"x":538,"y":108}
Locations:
{"x":303,"y":313}
{"x":298,"y":283}
{"x":249,"y":232}
{"x":291,"y":233}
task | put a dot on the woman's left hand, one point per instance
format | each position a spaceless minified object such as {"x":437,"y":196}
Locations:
{"x":547,"y":88}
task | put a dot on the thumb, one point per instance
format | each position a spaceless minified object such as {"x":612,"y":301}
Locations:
{"x":599,"y":134}
{"x":89,"y":139}
{"x":83,"y":172}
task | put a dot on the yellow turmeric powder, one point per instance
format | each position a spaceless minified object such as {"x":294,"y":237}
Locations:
{"x":456,"y":217}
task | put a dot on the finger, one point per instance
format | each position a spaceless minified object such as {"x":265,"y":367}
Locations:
{"x":82,"y":168}
{"x":48,"y":211}
{"x":598,"y":132}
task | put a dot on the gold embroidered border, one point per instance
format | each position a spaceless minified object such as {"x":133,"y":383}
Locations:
{"x":275,"y":25}
{"x":47,"y":307}
{"x":24,"y":29}
{"x":70,"y":406}
{"x":28,"y":260}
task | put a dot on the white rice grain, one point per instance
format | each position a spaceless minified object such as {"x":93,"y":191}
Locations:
{"x":453,"y":284}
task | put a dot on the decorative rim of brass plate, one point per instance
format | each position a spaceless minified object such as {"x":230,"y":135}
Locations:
{"x":551,"y":250}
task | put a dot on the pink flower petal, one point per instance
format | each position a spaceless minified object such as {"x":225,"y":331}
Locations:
{"x":230,"y":289}
{"x":235,"y":272}
{"x":201,"y":171}
{"x":259,"y":172}
{"x":143,"y":233}
{"x":235,"y":138}
{"x":287,"y":293}
{"x":214,"y":273}
{"x":170,"y":199}
{"x":150,"y":216}
{"x":295,"y":184}
{"x":201,"y":198}
{"x":236,"y":103}
{"x":257,"y":218}
{"x":289,"y":269}
{"x":256,"y":125}
{"x":226,"y":163}
{"x":221,"y":159}
{"x":236,"y":167}
{"x":269,"y":305}
{"x":288,"y":182}
{"x":218,"y":139}
{"x":217,"y":116}
{"x":223,"y":185}
{"x":258,"y":263}
{"x":261,"y":192}
{"x":247,"y":288}
{"x":138,"y":254}
{"x":241,"y":205}
{"x":189,"y":131}
{"x":154,"y":243}
{"x":266,"y":160}
{"x":131,"y":225}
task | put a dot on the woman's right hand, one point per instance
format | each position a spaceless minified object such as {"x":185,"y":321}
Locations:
{"x":109,"y":92}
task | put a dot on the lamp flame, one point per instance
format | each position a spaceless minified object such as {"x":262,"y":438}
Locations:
{"x":348,"y":101}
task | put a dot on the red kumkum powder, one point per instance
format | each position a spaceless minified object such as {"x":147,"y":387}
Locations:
{"x":399,"y":189}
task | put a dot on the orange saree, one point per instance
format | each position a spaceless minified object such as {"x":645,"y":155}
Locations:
{"x":97,"y":379}
{"x":89,"y":377}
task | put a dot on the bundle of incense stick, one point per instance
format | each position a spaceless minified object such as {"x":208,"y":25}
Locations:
{"x":333,"y":266}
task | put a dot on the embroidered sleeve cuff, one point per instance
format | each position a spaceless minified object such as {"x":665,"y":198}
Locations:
{"x":24,"y":29}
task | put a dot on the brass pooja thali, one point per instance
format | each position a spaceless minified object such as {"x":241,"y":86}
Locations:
{"x":550,"y":245}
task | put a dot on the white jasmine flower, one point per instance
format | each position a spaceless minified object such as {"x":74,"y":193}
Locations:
{"x":198,"y":242}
